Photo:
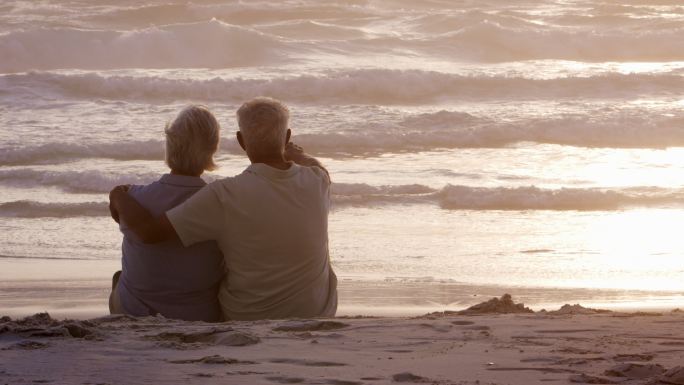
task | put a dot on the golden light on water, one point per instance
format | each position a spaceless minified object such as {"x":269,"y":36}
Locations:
{"x":643,"y":241}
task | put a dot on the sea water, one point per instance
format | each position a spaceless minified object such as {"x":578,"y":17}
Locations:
{"x":476,"y":147}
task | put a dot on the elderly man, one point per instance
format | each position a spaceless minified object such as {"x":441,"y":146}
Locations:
{"x":270,"y":222}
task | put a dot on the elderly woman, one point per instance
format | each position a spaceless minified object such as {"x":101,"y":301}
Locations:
{"x":167,"y":278}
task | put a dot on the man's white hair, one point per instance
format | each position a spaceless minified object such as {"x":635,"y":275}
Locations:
{"x":263,"y":123}
{"x":191,"y":141}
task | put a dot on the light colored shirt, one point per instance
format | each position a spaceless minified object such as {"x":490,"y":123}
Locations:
{"x":167,"y":278}
{"x":272,"y":226}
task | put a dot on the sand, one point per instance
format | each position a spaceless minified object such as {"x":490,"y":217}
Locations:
{"x":501,"y":343}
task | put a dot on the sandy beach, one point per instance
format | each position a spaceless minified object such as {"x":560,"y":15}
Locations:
{"x":495,"y":342}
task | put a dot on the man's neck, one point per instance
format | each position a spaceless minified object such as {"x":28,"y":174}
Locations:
{"x":278,"y":162}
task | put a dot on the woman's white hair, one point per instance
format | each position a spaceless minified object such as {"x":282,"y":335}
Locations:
{"x":191,"y":141}
{"x":263,"y":123}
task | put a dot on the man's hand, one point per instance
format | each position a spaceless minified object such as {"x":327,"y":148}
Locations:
{"x":293,"y":152}
{"x":296,"y":154}
{"x":123,"y":189}
{"x":149,"y":229}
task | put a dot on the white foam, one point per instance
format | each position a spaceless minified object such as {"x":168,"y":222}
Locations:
{"x":637,"y":128}
{"x":225,"y":35}
{"x":60,"y":151}
{"x":33,"y":209}
{"x":453,"y":197}
{"x":212,"y":44}
{"x":449,"y":197}
{"x":363,"y":86}
{"x":88,"y":181}
{"x":488,"y":40}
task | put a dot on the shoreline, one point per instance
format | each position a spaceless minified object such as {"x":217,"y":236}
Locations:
{"x":87,"y":298}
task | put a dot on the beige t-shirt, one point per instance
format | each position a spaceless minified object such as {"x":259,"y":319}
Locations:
{"x":272,"y":227}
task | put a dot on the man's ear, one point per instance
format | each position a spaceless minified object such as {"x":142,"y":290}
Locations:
{"x":241,"y":141}
{"x":288,"y":134}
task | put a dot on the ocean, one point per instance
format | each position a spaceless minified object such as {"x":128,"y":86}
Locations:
{"x":475,"y":147}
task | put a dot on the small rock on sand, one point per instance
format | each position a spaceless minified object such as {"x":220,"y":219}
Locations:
{"x":503,"y":305}
{"x":587,"y":379}
{"x":213,"y":360}
{"x":407,"y":377}
{"x":77,"y":330}
{"x":577,"y":309}
{"x":235,"y":339}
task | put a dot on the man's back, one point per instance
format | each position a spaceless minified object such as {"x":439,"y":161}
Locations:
{"x":274,"y":235}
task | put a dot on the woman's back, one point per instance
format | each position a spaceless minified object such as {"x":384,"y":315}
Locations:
{"x":167,"y":278}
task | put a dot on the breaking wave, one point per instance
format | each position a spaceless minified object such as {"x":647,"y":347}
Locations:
{"x":421,"y":132}
{"x":450,"y":197}
{"x":490,"y":41}
{"x":453,"y":197}
{"x":72,"y":181}
{"x":59,"y":151}
{"x":186,"y":35}
{"x":363,"y":86}
{"x":205,"y":44}
{"x":33,"y":209}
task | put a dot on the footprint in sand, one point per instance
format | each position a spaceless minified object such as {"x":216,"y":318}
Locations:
{"x":635,"y":371}
{"x":672,"y":343}
{"x":305,"y":362}
{"x":556,"y":360}
{"x":409,"y":377}
{"x":674,"y":376}
{"x":203,"y":375}
{"x":587,"y":379}
{"x":27,"y":345}
{"x":216,"y":336}
{"x":298,"y":380}
{"x":478,"y":327}
{"x":561,"y":331}
{"x":214,"y":360}
{"x":436,"y":327}
{"x":286,"y":380}
{"x":342,"y":382}
{"x":633,"y":357}
{"x":573,"y":350}
{"x":532,"y":369}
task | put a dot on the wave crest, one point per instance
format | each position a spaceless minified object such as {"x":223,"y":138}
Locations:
{"x":88,"y":181}
{"x":365,"y":86}
{"x":455,"y":197}
{"x":449,"y":197}
{"x":421,"y":132}
{"x":211,"y":44}
{"x":33,"y":209}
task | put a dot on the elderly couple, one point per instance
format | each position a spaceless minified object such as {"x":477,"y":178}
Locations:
{"x":251,"y":246}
